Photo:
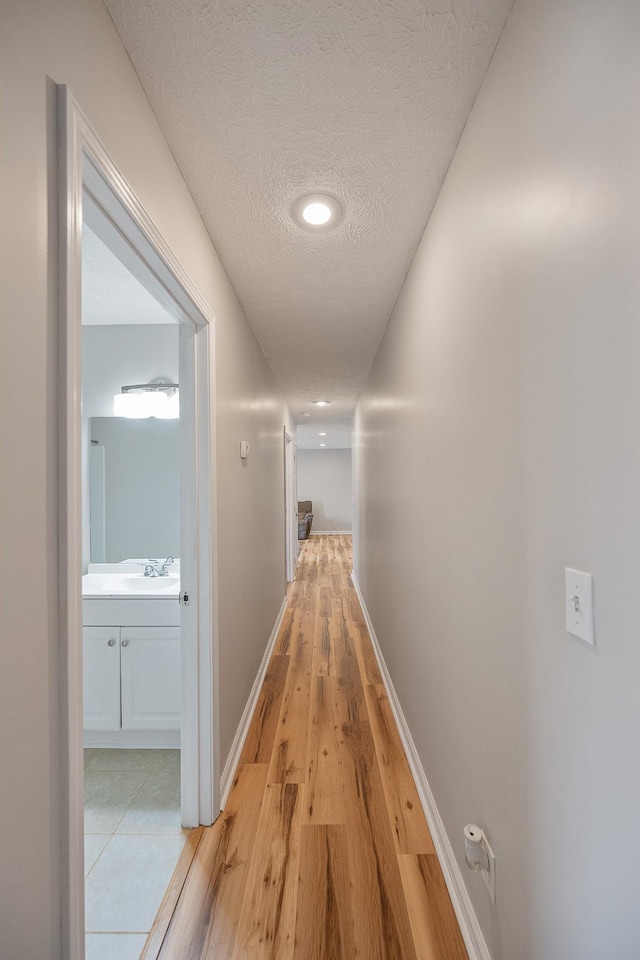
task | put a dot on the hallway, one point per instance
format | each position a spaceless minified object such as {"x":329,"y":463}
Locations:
{"x":322,"y":850}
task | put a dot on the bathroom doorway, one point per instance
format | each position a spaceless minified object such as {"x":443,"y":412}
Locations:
{"x":131,"y":635}
{"x":151,"y":706}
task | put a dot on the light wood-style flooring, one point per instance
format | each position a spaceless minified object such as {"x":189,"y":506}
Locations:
{"x":322,"y":851}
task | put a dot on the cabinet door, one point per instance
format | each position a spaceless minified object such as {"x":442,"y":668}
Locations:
{"x":101,"y":677}
{"x":150,"y":662}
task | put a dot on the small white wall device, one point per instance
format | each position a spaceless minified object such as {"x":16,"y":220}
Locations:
{"x":579,"y":604}
{"x":479,"y":857}
{"x":245,"y":449}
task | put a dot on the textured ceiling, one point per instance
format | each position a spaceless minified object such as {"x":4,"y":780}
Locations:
{"x":264,"y":100}
{"x":110,"y":292}
{"x":336,"y":435}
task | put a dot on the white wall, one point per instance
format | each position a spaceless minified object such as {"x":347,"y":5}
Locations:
{"x":43,"y":42}
{"x":497,"y":443}
{"x":114,"y":355}
{"x":324,"y":477}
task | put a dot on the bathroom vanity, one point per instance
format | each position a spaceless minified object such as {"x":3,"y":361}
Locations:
{"x":131,"y":657}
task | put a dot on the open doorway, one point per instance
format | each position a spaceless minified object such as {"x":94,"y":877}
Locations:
{"x":167,"y":676}
{"x":131,"y":634}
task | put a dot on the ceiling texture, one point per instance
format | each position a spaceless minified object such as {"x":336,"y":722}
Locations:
{"x":262,"y":101}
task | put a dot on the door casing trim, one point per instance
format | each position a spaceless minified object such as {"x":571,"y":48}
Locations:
{"x":85,"y":165}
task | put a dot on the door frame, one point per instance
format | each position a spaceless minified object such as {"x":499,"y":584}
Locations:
{"x":290,"y":506}
{"x":86,"y":170}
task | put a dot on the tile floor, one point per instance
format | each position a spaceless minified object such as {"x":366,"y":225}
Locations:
{"x":133,"y":839}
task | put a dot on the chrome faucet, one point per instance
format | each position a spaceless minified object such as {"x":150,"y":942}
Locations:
{"x":158,"y":568}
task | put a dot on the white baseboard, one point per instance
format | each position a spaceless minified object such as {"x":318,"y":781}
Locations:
{"x":133,"y":739}
{"x":330,"y":533}
{"x":469,"y":926}
{"x":230,"y":767}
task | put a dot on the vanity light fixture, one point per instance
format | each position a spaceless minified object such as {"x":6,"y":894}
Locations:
{"x":316,"y":212}
{"x":159,"y":398}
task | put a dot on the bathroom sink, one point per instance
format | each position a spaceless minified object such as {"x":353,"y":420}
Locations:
{"x":142,"y":584}
{"x":129,"y":585}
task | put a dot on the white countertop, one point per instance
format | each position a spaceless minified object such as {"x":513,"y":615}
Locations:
{"x":134,"y":586}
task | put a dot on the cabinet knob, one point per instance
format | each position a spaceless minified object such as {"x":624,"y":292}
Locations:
{"x":111,"y":642}
{"x":125,"y":643}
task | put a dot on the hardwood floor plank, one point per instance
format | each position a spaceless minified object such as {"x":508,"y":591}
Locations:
{"x":324,"y":796}
{"x":325,"y":597}
{"x":348,"y":670}
{"x":266,"y":929}
{"x":258,"y":746}
{"x":324,"y":923}
{"x":381,"y":921}
{"x":323,"y":660}
{"x":367,"y":662}
{"x":289,"y":756}
{"x":205,"y":927}
{"x":289,"y":625}
{"x":433,"y":921}
{"x":403,"y":803}
{"x":302,"y":643}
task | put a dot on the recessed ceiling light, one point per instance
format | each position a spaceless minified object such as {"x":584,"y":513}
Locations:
{"x":321,"y":403}
{"x":323,"y":444}
{"x":322,"y":434}
{"x":316,"y":212}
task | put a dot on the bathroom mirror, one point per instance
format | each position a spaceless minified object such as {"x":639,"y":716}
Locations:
{"x":134,"y":488}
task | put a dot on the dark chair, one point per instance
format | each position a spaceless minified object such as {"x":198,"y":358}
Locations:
{"x":305,"y":518}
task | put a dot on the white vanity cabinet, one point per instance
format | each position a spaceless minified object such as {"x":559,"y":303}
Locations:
{"x":131,"y":678}
{"x":131,"y":674}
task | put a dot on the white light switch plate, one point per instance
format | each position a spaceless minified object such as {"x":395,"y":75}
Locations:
{"x":579,"y":604}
